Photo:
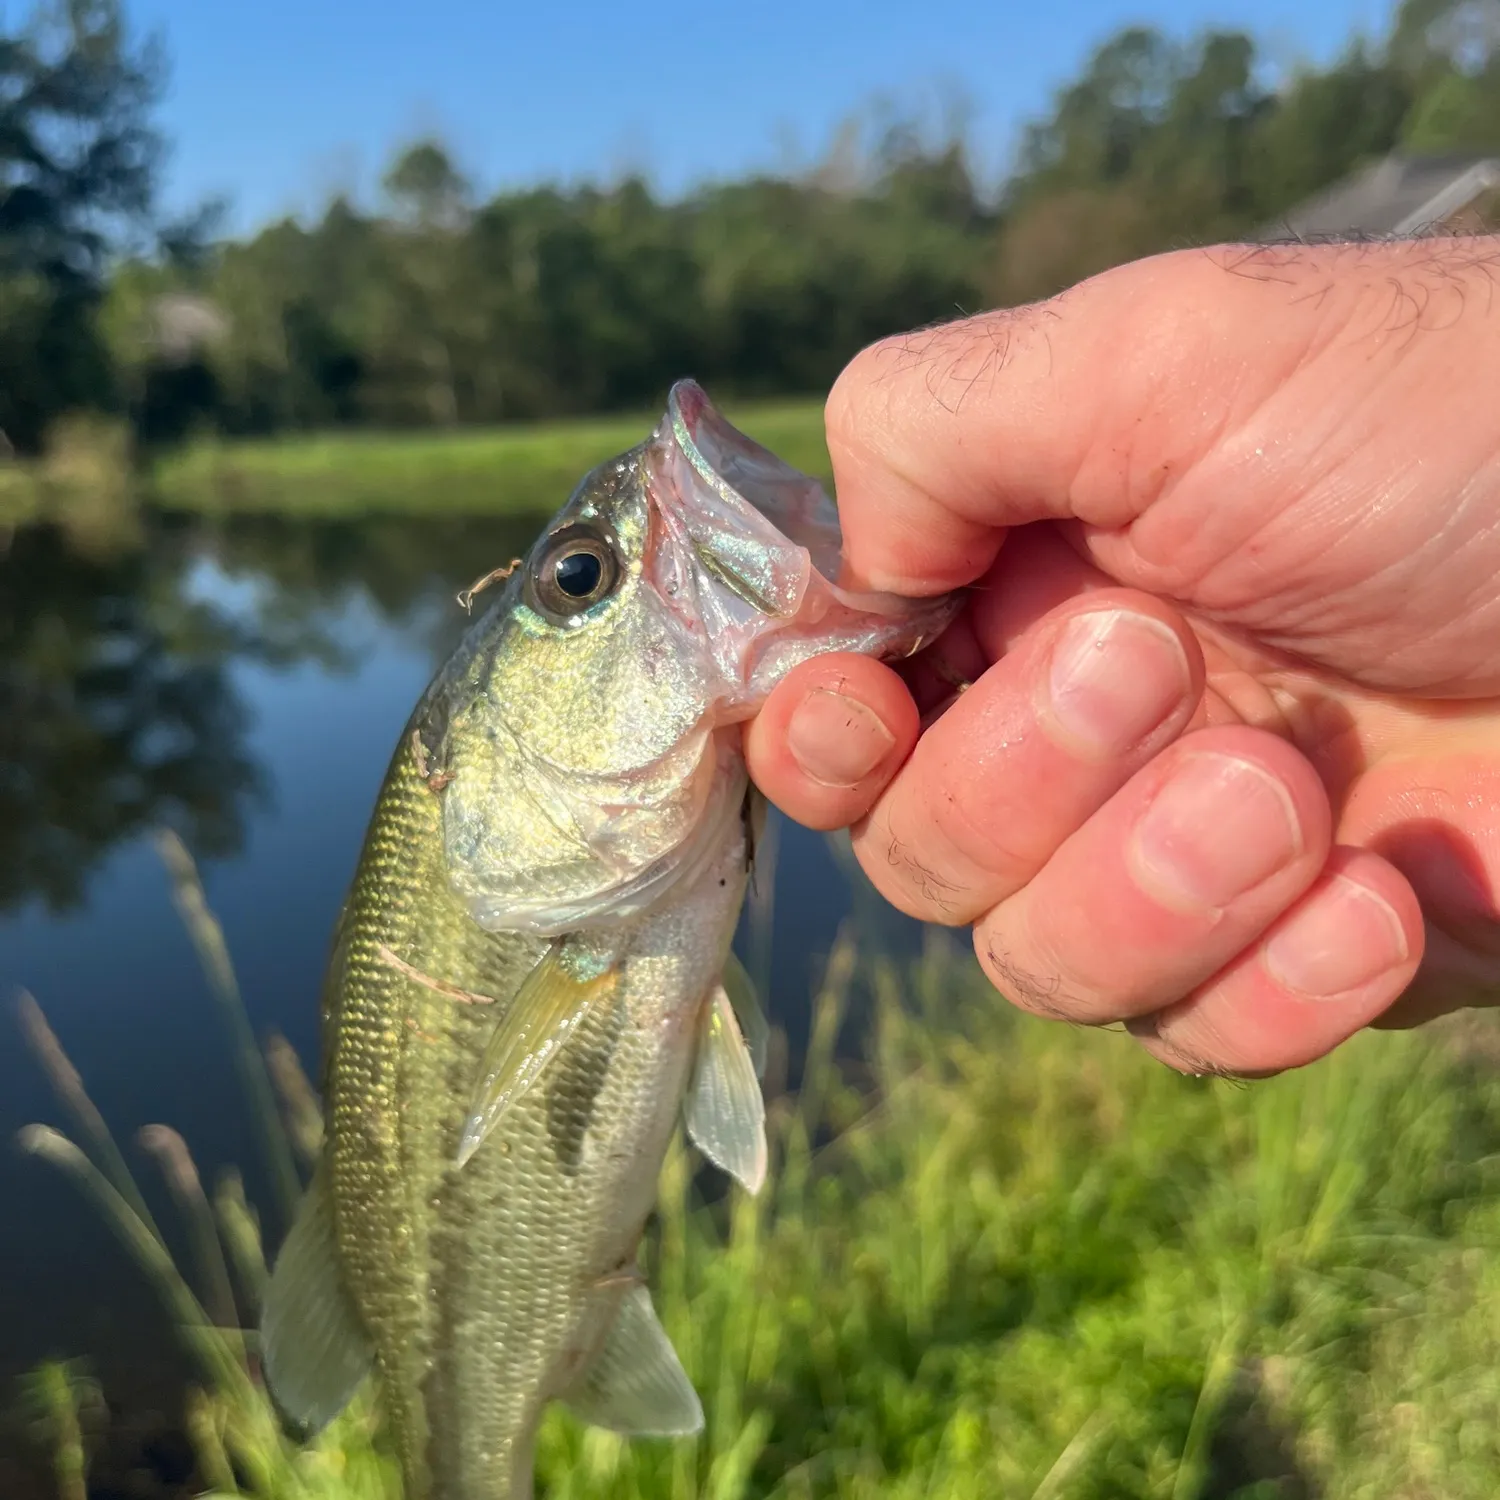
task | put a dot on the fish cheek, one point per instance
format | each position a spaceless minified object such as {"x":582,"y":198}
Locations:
{"x":572,"y":1104}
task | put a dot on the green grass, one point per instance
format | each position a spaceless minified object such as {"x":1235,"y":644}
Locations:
{"x":522,"y":470}
{"x":1044,"y":1266}
{"x":1010,"y":1259}
{"x":526,"y":470}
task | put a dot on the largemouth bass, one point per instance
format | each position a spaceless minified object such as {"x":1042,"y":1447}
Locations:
{"x":531,"y":980}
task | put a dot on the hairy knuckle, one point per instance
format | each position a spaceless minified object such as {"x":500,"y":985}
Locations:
{"x":1039,"y":992}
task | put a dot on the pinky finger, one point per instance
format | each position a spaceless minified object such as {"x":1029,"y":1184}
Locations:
{"x":1329,"y":966}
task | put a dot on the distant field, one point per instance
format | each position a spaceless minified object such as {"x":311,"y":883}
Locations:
{"x":519,"y":470}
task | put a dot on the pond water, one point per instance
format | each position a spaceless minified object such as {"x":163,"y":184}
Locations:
{"x":243,"y":682}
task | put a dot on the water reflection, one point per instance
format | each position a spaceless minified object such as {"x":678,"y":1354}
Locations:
{"x":399,"y":565}
{"x":241,"y":681}
{"x":114,"y":715}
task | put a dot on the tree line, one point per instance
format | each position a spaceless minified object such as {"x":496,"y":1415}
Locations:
{"x":443,"y":307}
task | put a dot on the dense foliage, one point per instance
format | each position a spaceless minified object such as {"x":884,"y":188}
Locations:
{"x":443,"y":308}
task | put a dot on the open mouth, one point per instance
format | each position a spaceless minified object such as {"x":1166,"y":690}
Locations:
{"x":741,"y":475}
{"x":759,"y":525}
{"x":768,"y":536}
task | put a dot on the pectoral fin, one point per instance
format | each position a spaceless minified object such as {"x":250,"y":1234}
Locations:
{"x":724,"y":1111}
{"x":313,"y":1349}
{"x":546,"y":1011}
{"x":747,"y":1009}
{"x":636,"y":1385}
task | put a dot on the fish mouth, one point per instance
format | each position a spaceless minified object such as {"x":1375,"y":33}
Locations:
{"x":753,"y":548}
{"x":736,"y":483}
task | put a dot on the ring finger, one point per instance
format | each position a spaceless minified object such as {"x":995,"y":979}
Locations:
{"x":1179,"y":872}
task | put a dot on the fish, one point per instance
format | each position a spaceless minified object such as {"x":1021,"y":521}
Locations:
{"x":531,"y":983}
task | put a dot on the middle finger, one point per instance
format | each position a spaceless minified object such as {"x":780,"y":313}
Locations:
{"x":1029,"y":752}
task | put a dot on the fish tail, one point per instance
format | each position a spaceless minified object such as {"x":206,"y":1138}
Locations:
{"x":519,"y":1488}
{"x":471,"y":1480}
{"x":521,"y":1466}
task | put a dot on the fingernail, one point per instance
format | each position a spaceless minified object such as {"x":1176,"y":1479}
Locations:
{"x":1113,"y":678}
{"x":837,"y":740}
{"x":1342,"y":938}
{"x":1218,"y":828}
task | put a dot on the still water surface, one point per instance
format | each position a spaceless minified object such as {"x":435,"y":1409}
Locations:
{"x":242,"y":682}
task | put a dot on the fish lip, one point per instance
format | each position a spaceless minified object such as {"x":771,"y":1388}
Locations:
{"x":702,"y":433}
{"x":756,"y":545}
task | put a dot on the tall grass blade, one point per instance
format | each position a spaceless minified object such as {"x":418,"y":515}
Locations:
{"x":1218,"y":1376}
{"x":55,"y":1394}
{"x":299,"y":1100}
{"x":181,"y":1173}
{"x":205,"y":1431}
{"x":830,"y":1005}
{"x":240,"y":1232}
{"x":69,"y":1088}
{"x":1080,"y":1446}
{"x":760,"y":910}
{"x":203,"y":1340}
{"x":208,"y":938}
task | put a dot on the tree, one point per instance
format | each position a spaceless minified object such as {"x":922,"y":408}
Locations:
{"x":443,"y":308}
{"x":427,"y":188}
{"x":78,"y":168}
{"x":1449,"y":51}
{"x":1325,"y":124}
{"x":424,"y":305}
{"x":1151,"y":147}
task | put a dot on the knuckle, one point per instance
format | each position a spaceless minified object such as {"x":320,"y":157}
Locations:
{"x":910,"y":880}
{"x":1039,"y":992}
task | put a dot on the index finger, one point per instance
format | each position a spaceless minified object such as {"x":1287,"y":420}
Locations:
{"x":1087,"y":407}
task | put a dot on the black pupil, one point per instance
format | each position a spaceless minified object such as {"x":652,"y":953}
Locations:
{"x":578,"y":574}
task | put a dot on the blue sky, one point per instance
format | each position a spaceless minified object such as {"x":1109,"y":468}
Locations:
{"x":277,"y":103}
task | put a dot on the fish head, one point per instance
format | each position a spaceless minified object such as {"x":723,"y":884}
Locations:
{"x":586,"y":728}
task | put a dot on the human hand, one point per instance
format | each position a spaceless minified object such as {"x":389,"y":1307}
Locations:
{"x":1229,"y":766}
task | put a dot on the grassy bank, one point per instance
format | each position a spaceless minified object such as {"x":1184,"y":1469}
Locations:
{"x":1025,"y":1262}
{"x":523,"y":470}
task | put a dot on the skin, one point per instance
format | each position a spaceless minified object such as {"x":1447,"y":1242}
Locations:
{"x":1229,"y":767}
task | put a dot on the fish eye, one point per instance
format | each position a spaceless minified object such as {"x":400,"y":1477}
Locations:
{"x":578,"y":573}
{"x":575,"y":569}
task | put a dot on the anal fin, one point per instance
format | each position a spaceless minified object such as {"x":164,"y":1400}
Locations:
{"x":724,"y":1111}
{"x":636,"y":1385}
{"x":313,"y":1349}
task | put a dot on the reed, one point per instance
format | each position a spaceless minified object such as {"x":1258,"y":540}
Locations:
{"x":61,"y":1401}
{"x":208,"y":939}
{"x":234,"y":1428}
